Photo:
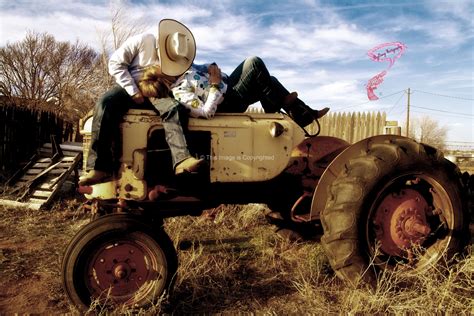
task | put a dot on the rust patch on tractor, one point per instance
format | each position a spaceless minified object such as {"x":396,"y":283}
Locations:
{"x":400,"y":222}
{"x":308,"y":161}
{"x":311,"y":157}
{"x":120,"y":268}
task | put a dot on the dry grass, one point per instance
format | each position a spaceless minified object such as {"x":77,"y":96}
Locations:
{"x":258,"y":272}
{"x":232,"y":264}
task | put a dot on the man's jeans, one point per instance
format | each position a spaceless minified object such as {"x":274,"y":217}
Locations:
{"x":109,"y":113}
{"x":251,"y":82}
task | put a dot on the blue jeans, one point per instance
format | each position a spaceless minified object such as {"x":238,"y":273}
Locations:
{"x":170,"y":110}
{"x":108,"y":114}
{"x":251,"y":82}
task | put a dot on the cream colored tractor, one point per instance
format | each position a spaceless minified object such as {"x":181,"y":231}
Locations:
{"x":382,"y":201}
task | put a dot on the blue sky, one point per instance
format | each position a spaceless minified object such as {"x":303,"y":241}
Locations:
{"x":316,"y":47}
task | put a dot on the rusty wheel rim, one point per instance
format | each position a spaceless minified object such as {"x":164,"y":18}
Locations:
{"x":410,"y":222}
{"x":125,"y":271}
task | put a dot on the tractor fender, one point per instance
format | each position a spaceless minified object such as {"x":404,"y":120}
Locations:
{"x":311,"y":157}
{"x":320,"y":195}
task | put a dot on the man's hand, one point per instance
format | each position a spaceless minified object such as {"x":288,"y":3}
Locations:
{"x":138,"y":98}
{"x":214,"y":74}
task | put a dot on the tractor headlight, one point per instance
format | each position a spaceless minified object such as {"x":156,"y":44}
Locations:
{"x":276,"y":129}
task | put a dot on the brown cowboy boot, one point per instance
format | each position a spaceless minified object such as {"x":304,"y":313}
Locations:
{"x":320,"y":113}
{"x":94,"y":177}
{"x":302,"y":114}
{"x":189,"y":165}
{"x":290,"y":99}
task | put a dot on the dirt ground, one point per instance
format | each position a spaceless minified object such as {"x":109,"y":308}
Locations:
{"x":31,"y":245}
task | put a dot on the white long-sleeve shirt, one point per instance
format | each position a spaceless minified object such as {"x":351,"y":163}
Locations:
{"x":128,"y":62}
{"x":194,"y":91}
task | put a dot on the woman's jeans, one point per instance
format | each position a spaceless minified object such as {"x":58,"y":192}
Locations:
{"x":109,"y":113}
{"x":251,"y":82}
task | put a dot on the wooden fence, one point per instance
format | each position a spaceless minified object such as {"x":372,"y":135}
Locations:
{"x":351,"y":127}
{"x":23,"y":131}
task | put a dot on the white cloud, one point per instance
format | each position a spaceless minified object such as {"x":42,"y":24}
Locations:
{"x":224,"y":33}
{"x":315,"y":48}
{"x":337,"y":90}
{"x":457,"y":10}
{"x":303,"y":43}
{"x":328,"y":37}
{"x":185,"y":13}
{"x":63,"y":26}
{"x":434,"y":33}
{"x":455,"y":124}
{"x":445,"y":33}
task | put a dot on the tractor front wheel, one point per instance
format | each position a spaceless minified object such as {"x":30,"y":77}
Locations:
{"x":118,"y":260}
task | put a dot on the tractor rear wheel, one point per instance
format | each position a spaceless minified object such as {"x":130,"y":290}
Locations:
{"x":118,"y":260}
{"x":398,"y":204}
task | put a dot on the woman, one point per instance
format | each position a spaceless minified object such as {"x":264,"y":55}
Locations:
{"x":156,"y":87}
{"x":204,"y":90}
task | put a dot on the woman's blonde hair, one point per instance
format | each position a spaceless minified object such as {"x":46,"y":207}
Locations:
{"x":154,"y":84}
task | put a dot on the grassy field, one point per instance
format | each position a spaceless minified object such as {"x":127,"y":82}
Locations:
{"x":235,"y":263}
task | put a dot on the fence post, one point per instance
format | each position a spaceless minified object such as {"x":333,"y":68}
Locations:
{"x":353,"y":126}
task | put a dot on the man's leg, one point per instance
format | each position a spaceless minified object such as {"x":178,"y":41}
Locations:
{"x":108,"y":114}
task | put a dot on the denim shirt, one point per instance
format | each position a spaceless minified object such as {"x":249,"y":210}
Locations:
{"x":194,"y":91}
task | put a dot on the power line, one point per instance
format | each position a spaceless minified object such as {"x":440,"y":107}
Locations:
{"x":442,"y":114}
{"x":457,"y":142}
{"x":393,"y":106}
{"x":408,"y":113}
{"x":450,"y":112}
{"x":351,"y":106}
{"x":426,"y":92}
{"x":446,"y":96}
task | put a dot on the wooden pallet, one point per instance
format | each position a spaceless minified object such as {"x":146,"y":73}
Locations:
{"x":36,"y":185}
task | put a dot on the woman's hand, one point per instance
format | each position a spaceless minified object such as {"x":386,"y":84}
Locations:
{"x":214,"y":74}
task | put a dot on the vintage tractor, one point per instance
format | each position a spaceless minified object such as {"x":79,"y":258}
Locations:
{"x":382,"y":201}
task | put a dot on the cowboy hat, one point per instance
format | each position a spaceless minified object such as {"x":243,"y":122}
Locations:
{"x":176,"y":47}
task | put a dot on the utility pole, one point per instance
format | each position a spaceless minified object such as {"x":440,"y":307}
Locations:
{"x":408,"y":112}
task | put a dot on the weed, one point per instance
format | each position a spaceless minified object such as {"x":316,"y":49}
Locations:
{"x":231,"y":262}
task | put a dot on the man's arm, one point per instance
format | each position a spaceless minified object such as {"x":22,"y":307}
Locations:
{"x":120,"y":62}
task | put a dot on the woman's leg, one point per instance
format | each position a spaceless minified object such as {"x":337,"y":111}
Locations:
{"x":272,"y":105}
{"x":251,"y":82}
{"x":168,"y":109}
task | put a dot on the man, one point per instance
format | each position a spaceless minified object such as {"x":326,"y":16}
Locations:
{"x":172,"y":50}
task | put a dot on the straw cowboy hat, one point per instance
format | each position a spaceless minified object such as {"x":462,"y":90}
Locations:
{"x":176,"y":47}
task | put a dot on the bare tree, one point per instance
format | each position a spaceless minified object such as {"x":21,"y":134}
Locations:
{"x":104,"y":80}
{"x":427,"y":130}
{"x":25,"y":68}
{"x":41,"y":71}
{"x":122,"y":26}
